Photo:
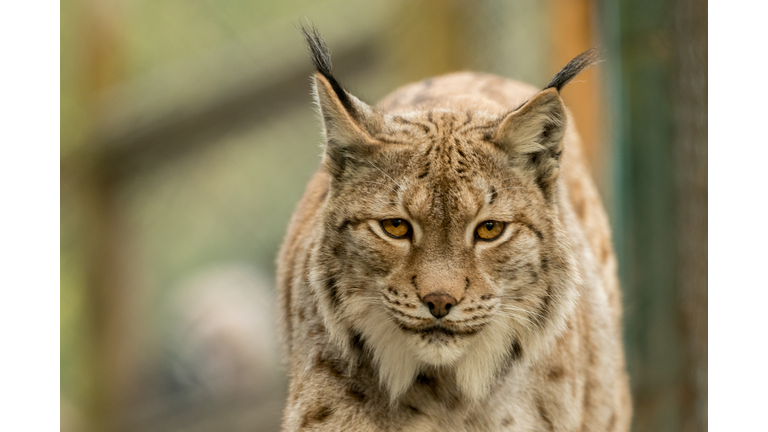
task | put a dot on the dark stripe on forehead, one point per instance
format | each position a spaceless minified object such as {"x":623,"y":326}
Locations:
{"x":466,"y":122}
{"x":451,"y":122}
{"x":429,"y":150}
{"x":425,"y":170}
{"x":492,"y":125}
{"x":412,"y":123}
{"x":462,"y":168}
{"x":431,"y":120}
{"x":388,"y":140}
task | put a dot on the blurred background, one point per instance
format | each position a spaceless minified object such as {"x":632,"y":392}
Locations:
{"x":188,"y":135}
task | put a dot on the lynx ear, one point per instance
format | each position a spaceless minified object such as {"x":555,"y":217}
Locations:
{"x":534,"y":133}
{"x":535,"y":130}
{"x":347,"y":120}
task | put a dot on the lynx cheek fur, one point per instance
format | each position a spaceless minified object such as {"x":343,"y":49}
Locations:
{"x":449,"y":267}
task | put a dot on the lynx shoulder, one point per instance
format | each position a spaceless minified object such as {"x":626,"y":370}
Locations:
{"x":449,"y":267}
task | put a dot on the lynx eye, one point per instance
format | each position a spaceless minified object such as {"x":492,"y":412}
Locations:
{"x":489,"y":230}
{"x":397,"y":228}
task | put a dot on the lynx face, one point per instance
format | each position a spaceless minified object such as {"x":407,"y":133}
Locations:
{"x":441,"y":243}
{"x":441,"y":248}
{"x":466,"y":251}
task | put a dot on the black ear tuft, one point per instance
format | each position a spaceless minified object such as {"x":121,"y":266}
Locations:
{"x":321,"y":58}
{"x":318,"y":51}
{"x":582,"y":61}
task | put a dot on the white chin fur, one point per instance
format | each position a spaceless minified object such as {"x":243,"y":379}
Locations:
{"x":436,"y":352}
{"x":400,"y":356}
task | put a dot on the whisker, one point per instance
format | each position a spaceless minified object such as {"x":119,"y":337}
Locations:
{"x":393,"y":180}
{"x":512,"y":308}
{"x":514,"y":313}
{"x":523,"y":320}
{"x":498,"y":319}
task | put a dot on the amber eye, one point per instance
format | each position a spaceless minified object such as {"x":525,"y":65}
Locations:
{"x":397,"y":228}
{"x":489,"y":230}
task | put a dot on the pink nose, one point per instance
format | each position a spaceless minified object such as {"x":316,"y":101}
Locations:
{"x":439,"y":304}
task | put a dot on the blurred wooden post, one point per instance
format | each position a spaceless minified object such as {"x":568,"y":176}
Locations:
{"x":109,"y":360}
{"x":690,"y":102}
{"x":102,"y":302}
{"x":572,"y":26}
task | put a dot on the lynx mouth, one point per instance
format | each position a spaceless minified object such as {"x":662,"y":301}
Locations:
{"x":437,"y":330}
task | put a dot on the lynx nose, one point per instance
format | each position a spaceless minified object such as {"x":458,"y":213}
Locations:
{"x":439,"y":304}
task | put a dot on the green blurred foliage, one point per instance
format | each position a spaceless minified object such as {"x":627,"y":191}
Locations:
{"x":229,"y":202}
{"x":164,"y":31}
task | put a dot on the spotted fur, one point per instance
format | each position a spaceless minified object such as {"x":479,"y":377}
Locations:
{"x":533,"y":340}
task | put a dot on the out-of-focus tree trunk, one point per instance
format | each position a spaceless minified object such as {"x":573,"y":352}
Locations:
{"x":112,"y":352}
{"x":572,"y":33}
{"x":690,"y":142}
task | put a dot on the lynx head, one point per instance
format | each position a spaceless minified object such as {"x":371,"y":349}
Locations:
{"x":442,"y":246}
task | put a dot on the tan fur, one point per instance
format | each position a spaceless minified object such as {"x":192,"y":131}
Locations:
{"x":534,"y":342}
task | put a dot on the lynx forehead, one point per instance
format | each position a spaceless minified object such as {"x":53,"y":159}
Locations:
{"x":435,"y":275}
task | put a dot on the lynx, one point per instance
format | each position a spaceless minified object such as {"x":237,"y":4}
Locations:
{"x":449,"y":267}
